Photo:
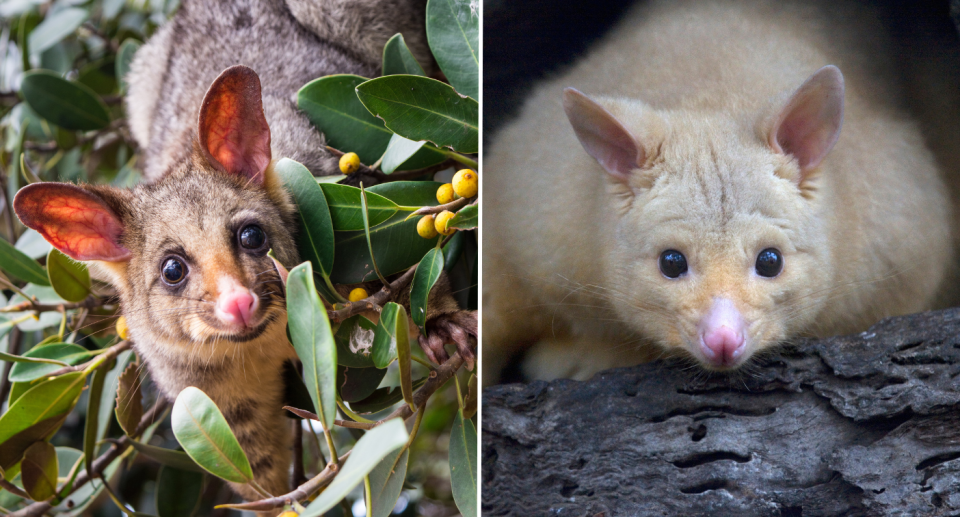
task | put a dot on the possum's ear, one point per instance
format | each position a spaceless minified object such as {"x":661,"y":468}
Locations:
{"x":602,"y":135}
{"x":75,"y":221}
{"x":809,"y":125}
{"x":233,"y":132}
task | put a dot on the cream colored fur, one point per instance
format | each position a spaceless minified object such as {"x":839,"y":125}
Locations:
{"x":570,"y":255}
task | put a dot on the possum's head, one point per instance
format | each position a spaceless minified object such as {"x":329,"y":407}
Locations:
{"x":188,"y":253}
{"x":719,"y":250}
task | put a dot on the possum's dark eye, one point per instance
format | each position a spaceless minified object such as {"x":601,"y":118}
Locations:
{"x":173,"y":271}
{"x":252,"y":237}
{"x":769,"y":263}
{"x":672,"y":263}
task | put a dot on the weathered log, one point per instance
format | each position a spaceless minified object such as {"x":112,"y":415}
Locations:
{"x":867,"y":424}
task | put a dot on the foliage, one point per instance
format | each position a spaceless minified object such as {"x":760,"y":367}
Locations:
{"x":62,"y":68}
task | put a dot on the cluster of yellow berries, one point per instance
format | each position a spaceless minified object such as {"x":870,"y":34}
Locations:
{"x":465,"y":184}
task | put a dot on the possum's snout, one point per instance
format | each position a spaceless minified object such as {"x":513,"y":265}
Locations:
{"x":722,"y":335}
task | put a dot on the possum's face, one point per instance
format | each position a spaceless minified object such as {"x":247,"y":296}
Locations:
{"x":717,"y":236}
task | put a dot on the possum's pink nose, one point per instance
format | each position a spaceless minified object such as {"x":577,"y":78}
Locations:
{"x":236,"y":305}
{"x":722,"y":334}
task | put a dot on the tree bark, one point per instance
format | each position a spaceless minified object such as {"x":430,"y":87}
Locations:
{"x":867,"y":424}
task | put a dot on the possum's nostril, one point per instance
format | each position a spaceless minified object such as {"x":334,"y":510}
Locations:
{"x":236,"y":305}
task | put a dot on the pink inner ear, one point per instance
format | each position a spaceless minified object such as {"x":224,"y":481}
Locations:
{"x":74,"y":221}
{"x":602,"y":135}
{"x":232,"y":129}
{"x":809,"y":125}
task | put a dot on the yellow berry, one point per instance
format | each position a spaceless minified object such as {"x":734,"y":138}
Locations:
{"x":426,"y":228}
{"x":349,"y":163}
{"x":441,"y":223}
{"x":445,"y":193}
{"x":465,"y":183}
{"x":122,"y":329}
{"x":358,"y":294}
{"x":288,"y":513}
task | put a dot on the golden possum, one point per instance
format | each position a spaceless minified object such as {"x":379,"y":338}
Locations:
{"x":695,"y":194}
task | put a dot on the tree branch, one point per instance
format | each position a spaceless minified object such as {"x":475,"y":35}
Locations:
{"x":452,"y":206}
{"x":302,"y":492}
{"x":91,"y":302}
{"x":375,"y":300}
{"x":109,"y":354}
{"x":380,"y":177}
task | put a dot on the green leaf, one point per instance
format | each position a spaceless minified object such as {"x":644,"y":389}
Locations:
{"x":452,"y":250}
{"x":354,"y":339}
{"x":66,"y":104}
{"x":39,"y":470}
{"x":331,"y":104}
{"x":169,"y":457}
{"x":385,"y":338}
{"x":41,"y":403}
{"x":313,"y":341}
{"x":345,"y":207}
{"x":66,"y":352}
{"x":178,"y":492}
{"x":315,"y":240}
{"x":453,"y":29}
{"x":467,"y":218}
{"x":427,"y":274}
{"x":90,"y":430}
{"x":125,"y":54}
{"x":397,"y":58}
{"x":358,"y":383}
{"x":396,"y":243}
{"x":99,"y":77}
{"x":386,"y":482}
{"x":420,"y":108}
{"x":403,"y":357}
{"x":11,"y":451}
{"x":383,"y":398}
{"x":370,"y":449}
{"x":69,"y":278}
{"x":405,"y":154}
{"x":16,"y":263}
{"x":463,"y":465}
{"x":109,"y":396}
{"x":129,"y":405}
{"x":56,"y":27}
{"x":205,"y":436}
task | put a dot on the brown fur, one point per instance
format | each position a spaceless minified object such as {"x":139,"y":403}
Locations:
{"x":698,"y":84}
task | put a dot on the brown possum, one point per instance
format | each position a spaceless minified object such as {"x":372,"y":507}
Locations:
{"x":187,"y":252}
{"x":712,"y":179}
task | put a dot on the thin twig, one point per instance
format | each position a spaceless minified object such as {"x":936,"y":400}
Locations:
{"x":452,"y":206}
{"x":13,"y":489}
{"x":373,"y":301}
{"x":103,"y":357}
{"x":102,"y":462}
{"x":302,"y":492}
{"x":381,"y":177}
{"x":91,"y":302}
{"x":14,"y":339}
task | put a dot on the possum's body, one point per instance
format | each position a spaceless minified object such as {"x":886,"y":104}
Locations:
{"x":571,"y":251}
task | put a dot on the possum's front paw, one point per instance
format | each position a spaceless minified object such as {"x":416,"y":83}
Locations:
{"x":459,"y":328}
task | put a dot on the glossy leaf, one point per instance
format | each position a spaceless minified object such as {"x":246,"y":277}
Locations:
{"x":313,"y":340}
{"x":205,"y":436}
{"x":403,"y":357}
{"x":355,"y":384}
{"x":169,"y":457}
{"x":426,"y":275}
{"x":396,"y":243}
{"x":315,"y":231}
{"x":331,"y":104}
{"x":405,"y":154}
{"x":382,"y":398}
{"x":12,"y":449}
{"x":66,"y":104}
{"x":463,"y":465}
{"x":91,"y":423}
{"x":125,"y":55}
{"x":467,"y":218}
{"x":397,"y":58}
{"x":66,"y":352}
{"x":129,"y":405}
{"x":385,"y":338}
{"x":69,"y":278}
{"x":420,"y":108}
{"x":386,"y":482}
{"x":39,"y":471}
{"x":41,"y":403}
{"x":345,"y":207}
{"x":100,"y":77}
{"x":354,"y":340}
{"x":453,"y":30}
{"x":56,"y":27}
{"x":178,"y":492}
{"x":108,"y":398}
{"x":32,"y":244}
{"x":452,"y":250}
{"x":16,"y":263}
{"x":370,"y":449}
